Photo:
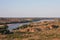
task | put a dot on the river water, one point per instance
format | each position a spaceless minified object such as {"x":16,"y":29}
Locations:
{"x":15,"y":25}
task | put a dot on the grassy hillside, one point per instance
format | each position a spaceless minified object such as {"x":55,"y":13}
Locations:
{"x":45,"y":30}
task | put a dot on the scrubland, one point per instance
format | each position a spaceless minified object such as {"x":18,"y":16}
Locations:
{"x":45,"y":30}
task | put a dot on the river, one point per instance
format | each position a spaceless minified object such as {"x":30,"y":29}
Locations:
{"x":15,"y":25}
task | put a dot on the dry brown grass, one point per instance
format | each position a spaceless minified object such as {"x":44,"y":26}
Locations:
{"x":44,"y":34}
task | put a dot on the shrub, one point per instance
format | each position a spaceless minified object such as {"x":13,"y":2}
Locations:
{"x":4,"y":29}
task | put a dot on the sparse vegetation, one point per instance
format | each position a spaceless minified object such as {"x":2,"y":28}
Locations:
{"x":39,"y":32}
{"x":24,"y":26}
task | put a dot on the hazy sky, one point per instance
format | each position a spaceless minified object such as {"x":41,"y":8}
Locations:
{"x":29,"y":8}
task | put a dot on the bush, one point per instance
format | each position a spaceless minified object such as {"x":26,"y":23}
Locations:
{"x":4,"y":29}
{"x":23,"y":26}
{"x":55,"y":26}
